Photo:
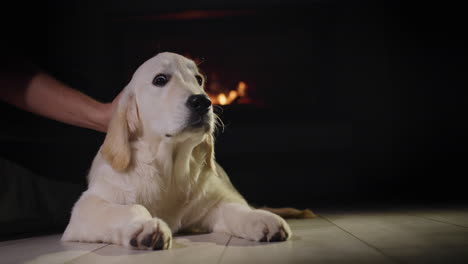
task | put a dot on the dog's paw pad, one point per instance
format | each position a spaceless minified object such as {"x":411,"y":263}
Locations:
{"x":267,"y":227}
{"x":281,"y":235}
{"x":159,"y":244}
{"x":133,"y":242}
{"x":148,"y":240}
{"x":154,"y":234}
{"x":265,"y":235}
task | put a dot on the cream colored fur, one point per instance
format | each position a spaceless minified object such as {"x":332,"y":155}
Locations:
{"x":155,"y":175}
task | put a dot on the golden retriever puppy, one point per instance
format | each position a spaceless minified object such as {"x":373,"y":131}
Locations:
{"x":155,"y":173}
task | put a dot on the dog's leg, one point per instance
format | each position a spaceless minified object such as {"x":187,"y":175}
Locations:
{"x":240,"y":220}
{"x":96,"y":220}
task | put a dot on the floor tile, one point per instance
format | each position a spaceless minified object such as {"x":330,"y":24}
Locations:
{"x":407,"y":238}
{"x":205,"y":248}
{"x":313,"y":241}
{"x":457,"y":217}
{"x":44,"y":249}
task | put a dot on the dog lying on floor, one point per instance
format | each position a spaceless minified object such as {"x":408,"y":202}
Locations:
{"x":155,"y":173}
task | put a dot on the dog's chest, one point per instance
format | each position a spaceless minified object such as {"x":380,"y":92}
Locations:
{"x":168,"y":186}
{"x":171,"y":207}
{"x":163,"y":197}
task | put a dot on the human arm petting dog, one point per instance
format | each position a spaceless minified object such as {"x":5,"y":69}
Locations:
{"x":44,"y":95}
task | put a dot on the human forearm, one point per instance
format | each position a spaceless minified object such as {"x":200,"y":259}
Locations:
{"x":46,"y":96}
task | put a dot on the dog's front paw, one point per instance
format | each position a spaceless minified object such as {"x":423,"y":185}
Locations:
{"x":153,"y":234}
{"x":264,"y":226}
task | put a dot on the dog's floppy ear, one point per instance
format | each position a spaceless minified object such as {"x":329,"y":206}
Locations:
{"x":124,"y":123}
{"x":207,"y":148}
{"x":205,"y":151}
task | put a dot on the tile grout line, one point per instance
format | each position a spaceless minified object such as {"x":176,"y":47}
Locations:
{"x":435,"y":220}
{"x":224,"y":250}
{"x":96,"y":249}
{"x":367,"y":244}
{"x":21,"y":240}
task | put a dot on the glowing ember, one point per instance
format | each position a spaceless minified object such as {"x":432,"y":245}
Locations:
{"x":224,"y":99}
{"x":242,"y":88}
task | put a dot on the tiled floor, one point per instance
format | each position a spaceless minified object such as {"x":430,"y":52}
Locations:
{"x":385,"y":236}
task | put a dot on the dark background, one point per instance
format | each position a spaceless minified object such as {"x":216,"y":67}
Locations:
{"x":363,"y":103}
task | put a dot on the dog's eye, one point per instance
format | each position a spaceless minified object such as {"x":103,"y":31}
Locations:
{"x":199,"y":79}
{"x":161,"y":80}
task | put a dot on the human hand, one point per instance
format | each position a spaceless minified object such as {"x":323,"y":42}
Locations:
{"x":107,"y":110}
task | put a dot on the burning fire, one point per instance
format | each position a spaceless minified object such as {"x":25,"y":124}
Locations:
{"x":228,"y":98}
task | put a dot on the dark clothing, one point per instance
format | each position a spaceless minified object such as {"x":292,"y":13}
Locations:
{"x":31,"y":204}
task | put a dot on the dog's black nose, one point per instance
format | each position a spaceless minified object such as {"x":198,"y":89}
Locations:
{"x":199,"y":103}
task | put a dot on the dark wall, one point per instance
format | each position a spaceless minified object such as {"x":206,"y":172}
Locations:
{"x":363,"y":101}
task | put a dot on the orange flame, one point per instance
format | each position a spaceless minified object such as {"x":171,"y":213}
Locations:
{"x":224,"y":99}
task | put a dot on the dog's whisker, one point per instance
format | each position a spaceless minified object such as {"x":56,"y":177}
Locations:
{"x":218,"y":108}
{"x":218,"y":123}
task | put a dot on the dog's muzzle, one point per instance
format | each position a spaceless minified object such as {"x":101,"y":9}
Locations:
{"x":199,"y":105}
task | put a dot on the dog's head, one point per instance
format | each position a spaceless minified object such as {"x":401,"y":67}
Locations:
{"x":164,"y":100}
